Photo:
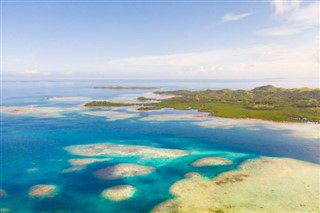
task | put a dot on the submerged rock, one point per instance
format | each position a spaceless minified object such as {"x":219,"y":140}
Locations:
{"x":43,"y":191}
{"x":119,"y":193}
{"x":123,"y":170}
{"x":3,"y":193}
{"x":211,"y":161}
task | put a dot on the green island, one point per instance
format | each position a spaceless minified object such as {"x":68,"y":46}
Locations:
{"x":265,"y":102}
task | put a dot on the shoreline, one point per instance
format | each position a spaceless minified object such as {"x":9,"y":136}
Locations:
{"x":131,"y":104}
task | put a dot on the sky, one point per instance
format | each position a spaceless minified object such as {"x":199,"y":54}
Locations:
{"x":176,"y":40}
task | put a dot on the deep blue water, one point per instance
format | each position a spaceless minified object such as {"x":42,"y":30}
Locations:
{"x":32,"y":148}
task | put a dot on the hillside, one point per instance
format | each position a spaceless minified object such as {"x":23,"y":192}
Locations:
{"x":266,"y":102}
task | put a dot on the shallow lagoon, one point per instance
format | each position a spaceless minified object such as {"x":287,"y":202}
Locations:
{"x":33,"y":149}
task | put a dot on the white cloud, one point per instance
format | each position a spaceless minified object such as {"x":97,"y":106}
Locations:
{"x":308,"y":15}
{"x":35,"y":72}
{"x":47,"y":73}
{"x":234,"y":17}
{"x":262,"y":61}
{"x":280,"y":31}
{"x":283,"y":6}
{"x":32,"y":71}
{"x":294,"y":18}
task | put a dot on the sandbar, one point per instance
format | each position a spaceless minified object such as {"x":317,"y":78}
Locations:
{"x":211,"y":161}
{"x":260,"y":185}
{"x":123,"y":170}
{"x":42,"y":191}
{"x":119,"y":193}
{"x":109,"y":149}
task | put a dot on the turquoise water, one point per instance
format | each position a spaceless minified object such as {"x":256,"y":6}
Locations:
{"x":32,"y":148}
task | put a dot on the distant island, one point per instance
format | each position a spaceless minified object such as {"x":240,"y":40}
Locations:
{"x":126,"y":87}
{"x":266,"y":103}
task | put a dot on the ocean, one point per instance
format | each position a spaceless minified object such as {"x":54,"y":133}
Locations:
{"x":33,"y":145}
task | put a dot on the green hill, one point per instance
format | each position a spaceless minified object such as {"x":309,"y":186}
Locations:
{"x":266,"y":102}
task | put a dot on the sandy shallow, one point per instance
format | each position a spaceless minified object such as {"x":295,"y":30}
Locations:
{"x":211,"y":161}
{"x":123,"y":170}
{"x":82,"y":163}
{"x":43,"y":191}
{"x":42,"y":112}
{"x":109,"y":149}
{"x":304,"y":130}
{"x":119,"y":193}
{"x":111,"y":115}
{"x":4,"y":107}
{"x":260,"y":185}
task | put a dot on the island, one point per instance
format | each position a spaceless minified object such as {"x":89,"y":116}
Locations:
{"x":265,"y":103}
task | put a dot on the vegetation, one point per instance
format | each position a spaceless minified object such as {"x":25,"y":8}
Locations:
{"x":266,"y":102}
{"x":97,"y":104}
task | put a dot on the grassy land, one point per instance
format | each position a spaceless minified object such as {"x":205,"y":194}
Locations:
{"x":98,"y":104}
{"x":267,"y":103}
